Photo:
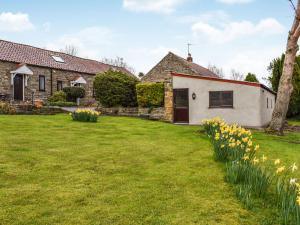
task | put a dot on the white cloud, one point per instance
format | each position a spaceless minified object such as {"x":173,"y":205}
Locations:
{"x":10,"y":22}
{"x":235,"y":1}
{"x":90,"y":41}
{"x":254,"y":61}
{"x":230,"y":31}
{"x":158,"y":6}
{"x":210,"y":16}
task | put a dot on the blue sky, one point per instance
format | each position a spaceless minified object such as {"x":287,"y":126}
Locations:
{"x":244,"y":35}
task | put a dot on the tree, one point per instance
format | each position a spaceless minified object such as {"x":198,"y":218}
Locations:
{"x":119,"y":62}
{"x":216,"y":70}
{"x":251,"y":77}
{"x":285,"y":88}
{"x":141,"y":74}
{"x":275,"y":68}
{"x":235,"y":75}
{"x":70,"y":49}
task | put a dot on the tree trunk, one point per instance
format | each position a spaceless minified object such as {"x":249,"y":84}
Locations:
{"x":285,"y":88}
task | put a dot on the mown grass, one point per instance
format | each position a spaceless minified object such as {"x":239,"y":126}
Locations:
{"x":118,"y":171}
{"x":286,"y":148}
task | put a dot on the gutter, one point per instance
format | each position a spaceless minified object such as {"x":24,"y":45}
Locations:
{"x":224,"y":80}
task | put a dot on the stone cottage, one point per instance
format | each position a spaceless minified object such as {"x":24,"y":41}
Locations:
{"x":193,"y":93}
{"x":27,"y":72}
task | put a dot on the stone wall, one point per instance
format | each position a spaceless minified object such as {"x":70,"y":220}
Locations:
{"x":33,"y":82}
{"x":169,"y":108}
{"x":147,"y":113}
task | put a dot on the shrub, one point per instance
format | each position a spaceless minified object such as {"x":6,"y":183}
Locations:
{"x":150,"y":94}
{"x":58,"y":96}
{"x":73,"y":93}
{"x":62,"y":104}
{"x":114,"y":88}
{"x":6,"y":108}
{"x":85,"y":115}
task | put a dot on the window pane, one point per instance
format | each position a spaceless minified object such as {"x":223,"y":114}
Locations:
{"x":181,"y":99}
{"x":59,"y":85}
{"x":214,"y":99}
{"x":220,"y":99}
{"x":42,"y":83}
{"x":227,"y":99}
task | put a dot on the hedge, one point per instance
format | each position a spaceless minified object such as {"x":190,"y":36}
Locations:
{"x":73,"y":93}
{"x":58,"y":96}
{"x":150,"y":94}
{"x":114,"y":88}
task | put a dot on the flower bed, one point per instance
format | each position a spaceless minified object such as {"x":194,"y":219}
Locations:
{"x":254,"y":177}
{"x":85,"y":115}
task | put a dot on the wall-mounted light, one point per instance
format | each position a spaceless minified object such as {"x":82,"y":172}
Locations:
{"x":194,"y":96}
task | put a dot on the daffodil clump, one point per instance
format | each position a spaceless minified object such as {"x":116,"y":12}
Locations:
{"x":287,"y":192}
{"x":85,"y":115}
{"x":254,"y":175}
{"x":231,"y":142}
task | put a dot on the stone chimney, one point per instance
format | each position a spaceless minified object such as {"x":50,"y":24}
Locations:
{"x":189,"y":58}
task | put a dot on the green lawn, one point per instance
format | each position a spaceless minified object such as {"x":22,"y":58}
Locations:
{"x":287,"y":147}
{"x":119,"y":171}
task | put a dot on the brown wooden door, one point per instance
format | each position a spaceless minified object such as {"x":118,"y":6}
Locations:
{"x":181,"y":105}
{"x":18,"y":87}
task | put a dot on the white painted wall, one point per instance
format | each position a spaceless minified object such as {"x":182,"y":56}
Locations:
{"x":267,"y":106}
{"x":249,"y":102}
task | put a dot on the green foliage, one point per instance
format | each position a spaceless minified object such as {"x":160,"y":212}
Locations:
{"x":244,"y":194}
{"x":251,"y":78}
{"x":6,"y":108}
{"x":62,"y":104}
{"x":150,"y":94}
{"x":73,"y":93}
{"x":276,"y":68}
{"x":58,"y":96}
{"x":114,"y":88}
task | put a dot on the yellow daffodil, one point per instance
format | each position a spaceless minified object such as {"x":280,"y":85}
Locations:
{"x":264,"y":158}
{"x":294,"y":167}
{"x":298,"y":200}
{"x":246,"y":157}
{"x":277,"y":161}
{"x":255,"y":161}
{"x":245,"y":140}
{"x":256,"y":148}
{"x":250,"y":143}
{"x":280,"y":169}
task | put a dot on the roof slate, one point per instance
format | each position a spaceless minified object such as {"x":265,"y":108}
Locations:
{"x":199,"y":70}
{"x":20,"y":53}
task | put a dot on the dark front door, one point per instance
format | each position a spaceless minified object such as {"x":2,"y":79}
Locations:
{"x":18,"y":87}
{"x":181,"y":105}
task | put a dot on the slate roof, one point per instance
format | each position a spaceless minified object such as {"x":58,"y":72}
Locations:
{"x":199,"y":70}
{"x":26,"y":54}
